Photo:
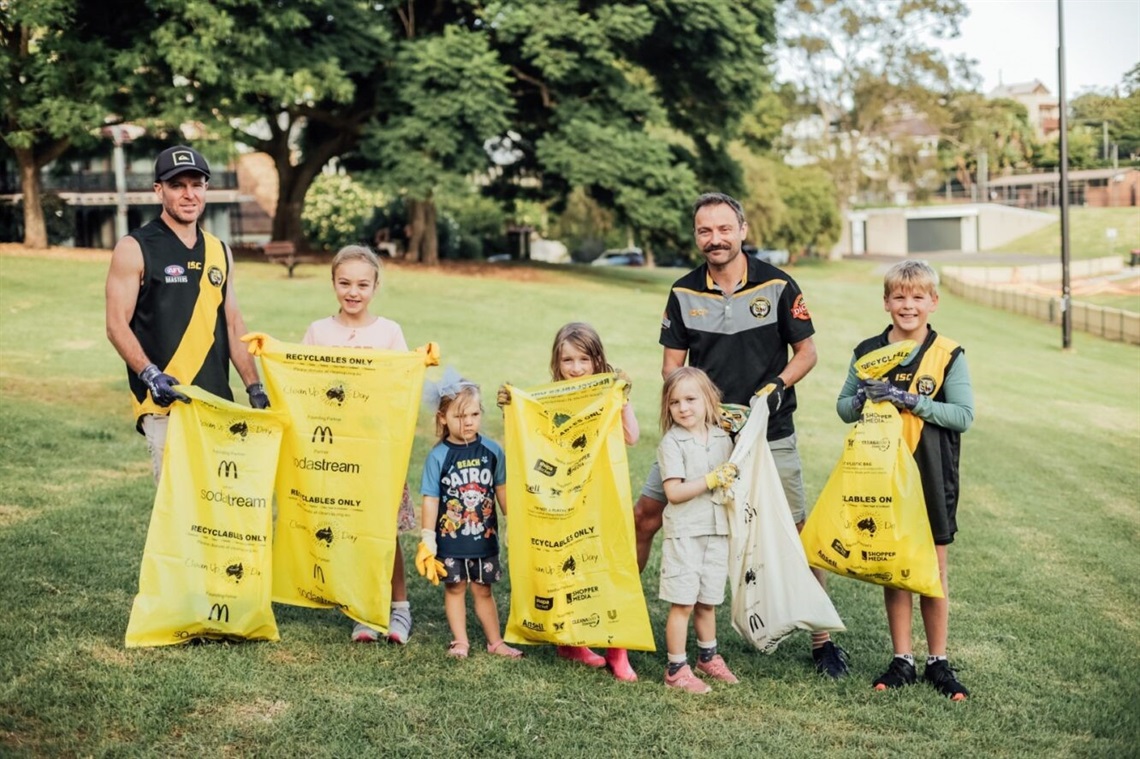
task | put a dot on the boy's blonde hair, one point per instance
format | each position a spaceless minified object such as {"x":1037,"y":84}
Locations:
{"x":705,"y":387}
{"x":912,"y":275}
{"x":356,"y":253}
{"x":465,"y":394}
{"x":586,"y":339}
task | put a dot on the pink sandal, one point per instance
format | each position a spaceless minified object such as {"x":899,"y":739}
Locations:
{"x":502,"y":649}
{"x":458,"y":649}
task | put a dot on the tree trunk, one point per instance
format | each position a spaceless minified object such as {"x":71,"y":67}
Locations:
{"x":431,"y":236}
{"x":423,"y":240}
{"x":35,"y":230}
{"x":415,"y":228}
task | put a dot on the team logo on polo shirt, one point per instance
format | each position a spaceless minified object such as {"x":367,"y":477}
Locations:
{"x":215,"y":276}
{"x":760,"y":307}
{"x":800,"y":309}
{"x":925,"y":385}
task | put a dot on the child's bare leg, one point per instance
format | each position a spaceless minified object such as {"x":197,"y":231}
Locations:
{"x":399,"y":583}
{"x":487,"y":612}
{"x":455,"y":607}
{"x":936,"y":611}
{"x":899,"y":611}
{"x":704,"y":623}
{"x":677,"y":629}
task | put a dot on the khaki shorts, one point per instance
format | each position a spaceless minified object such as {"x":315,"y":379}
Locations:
{"x":694,"y":570}
{"x":787,"y":464}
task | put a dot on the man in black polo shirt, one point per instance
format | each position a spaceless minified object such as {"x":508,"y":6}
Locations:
{"x":171,"y":311}
{"x":735,"y":318}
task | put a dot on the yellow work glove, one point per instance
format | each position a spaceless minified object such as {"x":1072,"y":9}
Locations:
{"x":427,"y":564}
{"x":621,"y":375}
{"x":722,"y":477}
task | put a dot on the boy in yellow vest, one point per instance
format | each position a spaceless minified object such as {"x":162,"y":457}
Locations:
{"x":932,"y":391}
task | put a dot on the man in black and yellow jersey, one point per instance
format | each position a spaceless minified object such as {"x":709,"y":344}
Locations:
{"x":745,"y":323}
{"x":171,"y":310}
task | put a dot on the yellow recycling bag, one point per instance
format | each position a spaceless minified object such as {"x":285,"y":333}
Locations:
{"x":870,"y":521}
{"x":573,"y":562}
{"x":205,"y":569}
{"x":342,"y":471}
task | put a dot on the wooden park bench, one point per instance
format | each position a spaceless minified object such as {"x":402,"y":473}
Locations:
{"x":285,"y":253}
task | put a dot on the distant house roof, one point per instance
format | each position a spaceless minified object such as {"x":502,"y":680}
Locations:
{"x":1036,"y":87}
{"x":1053,"y":177}
{"x":913,"y":126}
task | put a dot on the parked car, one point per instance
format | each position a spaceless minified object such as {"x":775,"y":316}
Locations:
{"x":774,"y":256}
{"x":622,"y":257}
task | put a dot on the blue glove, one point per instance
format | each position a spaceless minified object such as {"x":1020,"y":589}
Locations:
{"x":257,"y":396}
{"x":161,"y":386}
{"x":878,"y":391}
{"x":774,"y":391}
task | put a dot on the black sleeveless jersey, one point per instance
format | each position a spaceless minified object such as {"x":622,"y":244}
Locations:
{"x":179,"y":316}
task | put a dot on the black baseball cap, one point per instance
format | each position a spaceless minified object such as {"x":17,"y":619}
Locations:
{"x":178,"y":159}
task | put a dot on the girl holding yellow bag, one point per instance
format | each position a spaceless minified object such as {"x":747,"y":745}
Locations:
{"x":931,"y":389}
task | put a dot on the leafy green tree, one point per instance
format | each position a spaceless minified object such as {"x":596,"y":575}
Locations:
{"x":634,"y":104}
{"x":450,"y":96}
{"x":860,"y":67}
{"x":298,"y":81}
{"x":789,"y":207}
{"x":972,"y":124}
{"x":337,"y":210}
{"x":61,"y":64}
{"x":1108,"y":110}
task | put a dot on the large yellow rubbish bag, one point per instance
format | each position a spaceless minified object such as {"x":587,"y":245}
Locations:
{"x":206,"y":568}
{"x":870,"y":521}
{"x":343,"y":468}
{"x":573,"y":561}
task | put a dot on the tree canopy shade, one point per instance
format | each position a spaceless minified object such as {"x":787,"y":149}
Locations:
{"x":62,"y":64}
{"x":632,"y":102}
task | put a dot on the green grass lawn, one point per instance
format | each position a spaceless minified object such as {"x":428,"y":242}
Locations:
{"x":1087,"y":234}
{"x":1044,"y":621}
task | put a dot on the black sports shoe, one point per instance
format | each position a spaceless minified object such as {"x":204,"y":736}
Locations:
{"x":899,"y":672}
{"x":830,"y":660}
{"x":944,"y":680}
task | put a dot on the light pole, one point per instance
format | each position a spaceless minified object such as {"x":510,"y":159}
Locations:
{"x":1066,"y":311}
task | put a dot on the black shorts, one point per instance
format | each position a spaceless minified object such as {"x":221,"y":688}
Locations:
{"x":485,"y":570}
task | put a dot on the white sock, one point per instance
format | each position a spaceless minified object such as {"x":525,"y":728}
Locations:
{"x":908,"y":658}
{"x":401,"y":604}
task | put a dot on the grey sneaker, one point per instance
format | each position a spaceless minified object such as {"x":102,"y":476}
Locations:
{"x":362,"y":633}
{"x":400,"y":626}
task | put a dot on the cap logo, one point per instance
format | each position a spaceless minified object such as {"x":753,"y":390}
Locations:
{"x":182,"y":158}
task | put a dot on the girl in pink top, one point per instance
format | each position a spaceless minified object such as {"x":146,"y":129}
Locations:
{"x":356,"y":280}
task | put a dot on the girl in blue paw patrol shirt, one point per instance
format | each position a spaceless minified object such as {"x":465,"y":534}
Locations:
{"x":464,"y":477}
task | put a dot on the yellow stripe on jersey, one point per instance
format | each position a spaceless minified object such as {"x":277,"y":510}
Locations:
{"x":198,"y":338}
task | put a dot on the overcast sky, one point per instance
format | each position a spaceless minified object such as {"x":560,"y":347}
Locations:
{"x":1017,"y":39}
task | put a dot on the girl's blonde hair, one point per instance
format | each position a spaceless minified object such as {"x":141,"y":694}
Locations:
{"x":912,"y":275}
{"x":583,"y":337}
{"x":464,"y":394}
{"x":356,"y":253}
{"x":705,"y":387}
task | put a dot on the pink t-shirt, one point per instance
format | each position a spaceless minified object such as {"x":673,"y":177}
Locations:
{"x":382,"y":334}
